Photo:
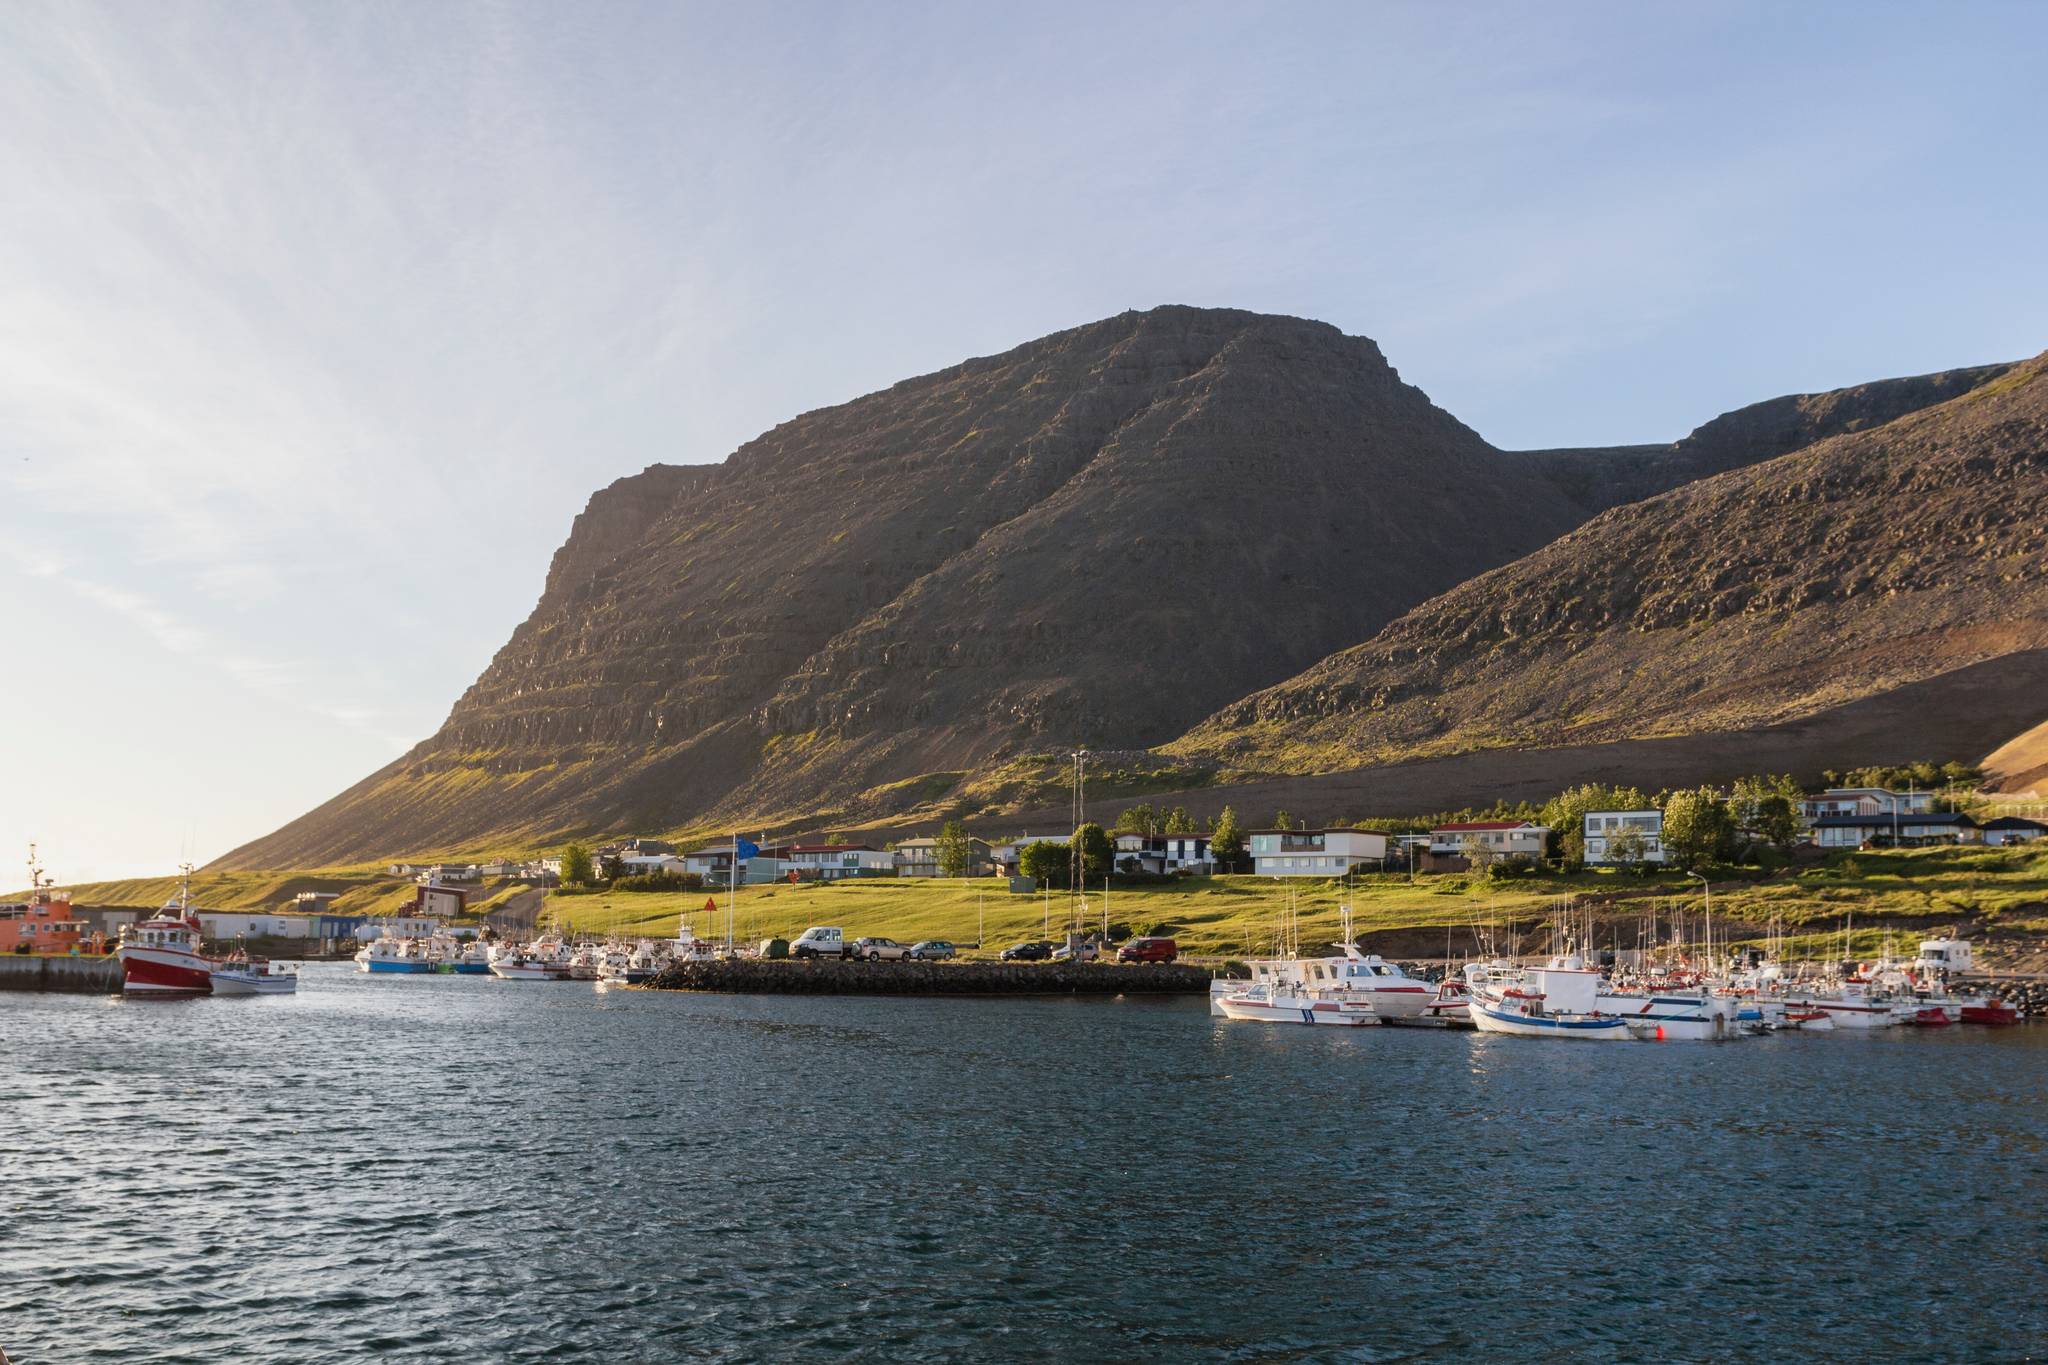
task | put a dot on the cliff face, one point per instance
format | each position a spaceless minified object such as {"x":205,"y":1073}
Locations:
{"x":1103,"y":536}
{"x":1887,"y":556}
{"x":1097,"y":537}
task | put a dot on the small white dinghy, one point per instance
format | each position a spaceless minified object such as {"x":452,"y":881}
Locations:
{"x":240,"y":974}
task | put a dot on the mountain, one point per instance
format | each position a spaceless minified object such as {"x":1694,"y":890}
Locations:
{"x":1096,"y":538}
{"x":910,"y":604}
{"x":1882,"y":559}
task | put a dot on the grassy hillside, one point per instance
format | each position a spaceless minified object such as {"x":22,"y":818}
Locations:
{"x":1999,"y":892}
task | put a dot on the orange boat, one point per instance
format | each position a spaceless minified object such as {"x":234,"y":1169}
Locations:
{"x":43,"y":923}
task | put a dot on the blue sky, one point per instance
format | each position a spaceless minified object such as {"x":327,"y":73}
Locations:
{"x":321,"y":321}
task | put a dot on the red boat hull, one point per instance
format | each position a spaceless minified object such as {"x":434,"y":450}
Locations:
{"x":1990,"y":1012}
{"x":147,"y":973}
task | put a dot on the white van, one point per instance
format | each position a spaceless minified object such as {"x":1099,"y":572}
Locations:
{"x":820,"y":942}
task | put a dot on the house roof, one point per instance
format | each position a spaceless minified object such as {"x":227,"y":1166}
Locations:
{"x":1483,"y":826}
{"x":1884,"y":820}
{"x":833,"y":848}
{"x":2015,"y":822}
{"x":1342,"y":829}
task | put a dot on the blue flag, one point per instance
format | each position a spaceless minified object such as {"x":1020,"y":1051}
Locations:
{"x":744,"y":850}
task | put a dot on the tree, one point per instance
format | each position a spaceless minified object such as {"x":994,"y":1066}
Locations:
{"x":1226,"y":841}
{"x":1178,"y":821}
{"x":576,"y":868}
{"x":612,"y":867}
{"x":1137,"y":819}
{"x":1095,"y":849}
{"x":1767,"y":806}
{"x":1477,"y":851}
{"x":1697,"y":827}
{"x":1283,"y":820}
{"x":1565,"y":816}
{"x":1043,"y":861}
{"x":956,"y":854}
{"x":1627,"y":849}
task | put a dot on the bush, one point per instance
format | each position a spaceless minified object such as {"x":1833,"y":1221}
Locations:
{"x":661,"y":881}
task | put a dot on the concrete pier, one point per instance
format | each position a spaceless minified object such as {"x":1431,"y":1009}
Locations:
{"x":746,"y":976}
{"x":79,"y":975}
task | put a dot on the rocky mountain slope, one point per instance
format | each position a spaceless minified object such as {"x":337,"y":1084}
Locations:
{"x":1888,"y":556}
{"x":1096,"y":538}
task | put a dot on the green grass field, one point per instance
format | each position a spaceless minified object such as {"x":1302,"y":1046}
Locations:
{"x":1890,"y":891}
{"x":2002,"y":891}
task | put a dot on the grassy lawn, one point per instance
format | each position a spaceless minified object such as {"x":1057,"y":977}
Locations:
{"x":1902,"y":891}
{"x":2000,"y":892}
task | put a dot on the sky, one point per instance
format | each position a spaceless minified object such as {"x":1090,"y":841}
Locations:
{"x":319,"y":322}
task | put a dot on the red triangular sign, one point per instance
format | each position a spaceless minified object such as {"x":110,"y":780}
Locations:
{"x":711,"y":905}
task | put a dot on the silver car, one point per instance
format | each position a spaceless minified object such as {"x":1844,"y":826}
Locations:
{"x":931,"y":950}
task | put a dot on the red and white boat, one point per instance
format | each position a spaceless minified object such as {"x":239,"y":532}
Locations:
{"x":161,"y":956}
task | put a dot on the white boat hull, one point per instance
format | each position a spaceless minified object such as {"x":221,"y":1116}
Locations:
{"x":507,"y":971}
{"x":1489,"y":1018}
{"x":233,"y":983}
{"x":1297,"y":1010}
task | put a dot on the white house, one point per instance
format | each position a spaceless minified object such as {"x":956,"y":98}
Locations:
{"x":1865,"y":801}
{"x":834,"y":862}
{"x":437,"y":902}
{"x":1189,"y":853}
{"x":644,"y":864}
{"x":1005,"y":855}
{"x":222,"y":925}
{"x":1316,"y":852}
{"x":1498,"y":838}
{"x":712,"y":861}
{"x":2013,"y":829}
{"x":1603,"y":825}
{"x":920,"y":857}
{"x":1898,"y":830}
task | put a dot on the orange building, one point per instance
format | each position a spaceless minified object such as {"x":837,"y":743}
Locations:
{"x":40,"y":924}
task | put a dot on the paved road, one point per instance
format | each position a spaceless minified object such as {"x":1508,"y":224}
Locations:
{"x":517,"y":915}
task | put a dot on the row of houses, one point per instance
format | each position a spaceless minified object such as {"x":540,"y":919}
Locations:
{"x":1841,"y":817}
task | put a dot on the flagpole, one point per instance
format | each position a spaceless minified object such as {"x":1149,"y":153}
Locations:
{"x":732,"y":894}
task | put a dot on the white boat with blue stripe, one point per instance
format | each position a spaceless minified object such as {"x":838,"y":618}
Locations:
{"x":1553,"y":1001}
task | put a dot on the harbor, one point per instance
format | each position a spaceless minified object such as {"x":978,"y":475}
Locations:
{"x":638,"y":1174}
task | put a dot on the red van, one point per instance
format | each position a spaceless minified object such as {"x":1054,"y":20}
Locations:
{"x":1148,"y":950}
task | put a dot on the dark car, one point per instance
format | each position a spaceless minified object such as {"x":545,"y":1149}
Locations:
{"x":1148,"y":950}
{"x":1035,"y":950}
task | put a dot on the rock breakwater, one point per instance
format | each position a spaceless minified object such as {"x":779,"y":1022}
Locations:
{"x":932,"y":978}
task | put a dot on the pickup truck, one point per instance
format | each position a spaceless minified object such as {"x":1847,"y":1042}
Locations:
{"x":820,"y":941}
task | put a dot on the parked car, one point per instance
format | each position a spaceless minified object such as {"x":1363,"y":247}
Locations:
{"x":880,"y":950}
{"x":1148,"y":950}
{"x":820,"y":941}
{"x":1089,"y":952}
{"x":931,"y":950}
{"x":1031,"y":950}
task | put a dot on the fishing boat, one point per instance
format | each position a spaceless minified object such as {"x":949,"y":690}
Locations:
{"x":1270,"y":1002}
{"x":1852,"y":1003}
{"x":1556,"y":1000}
{"x":521,"y":966}
{"x":161,"y":956}
{"x":1672,"y":1014}
{"x":1989,"y":1010}
{"x":585,"y":961}
{"x":240,"y":974}
{"x":632,"y":967}
{"x":467,"y":959}
{"x":400,"y":956}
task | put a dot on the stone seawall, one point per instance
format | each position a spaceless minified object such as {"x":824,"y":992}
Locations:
{"x":81,"y":975}
{"x":933,"y":978}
